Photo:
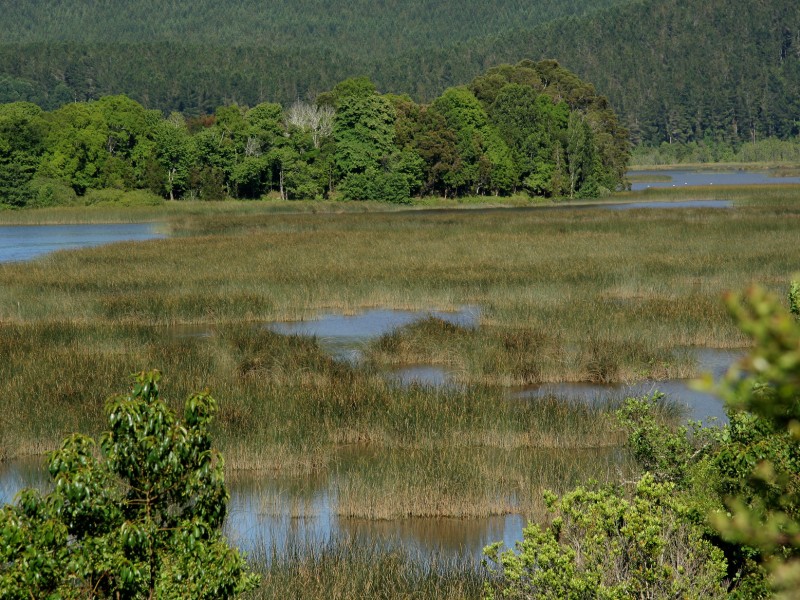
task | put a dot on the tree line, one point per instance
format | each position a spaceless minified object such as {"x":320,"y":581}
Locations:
{"x":531,"y":128}
{"x":675,"y":71}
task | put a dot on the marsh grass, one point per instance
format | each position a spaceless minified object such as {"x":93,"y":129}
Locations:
{"x":648,"y":178}
{"x":283,"y":401}
{"x":565,"y":295}
{"x":514,"y":355}
{"x":465,"y":483}
{"x":349,"y":570}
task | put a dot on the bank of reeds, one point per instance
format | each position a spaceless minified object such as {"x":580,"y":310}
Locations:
{"x":283,"y":401}
{"x":565,"y":295}
{"x":348,"y":570}
{"x":529,"y":354}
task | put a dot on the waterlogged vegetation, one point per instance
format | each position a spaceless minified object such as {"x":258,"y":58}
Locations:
{"x":563,"y":296}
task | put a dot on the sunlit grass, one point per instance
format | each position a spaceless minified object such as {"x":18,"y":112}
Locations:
{"x":349,"y":570}
{"x":565,"y":294}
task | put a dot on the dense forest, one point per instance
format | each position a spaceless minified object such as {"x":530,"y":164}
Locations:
{"x":532,"y":128}
{"x":688,"y":70}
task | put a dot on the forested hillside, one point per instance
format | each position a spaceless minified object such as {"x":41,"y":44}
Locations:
{"x":195,"y":56}
{"x":684,"y":69}
{"x":363,"y":27}
{"x":675,"y":70}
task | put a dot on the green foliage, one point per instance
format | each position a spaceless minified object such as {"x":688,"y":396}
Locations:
{"x":794,"y":298}
{"x":370,"y":146}
{"x":664,"y":452}
{"x":376,"y":185}
{"x":22,"y":131}
{"x":726,"y":499}
{"x":141,"y":520}
{"x":767,"y":384}
{"x":363,"y":127}
{"x":743,"y":479}
{"x":602,"y":544}
{"x":722,"y":70}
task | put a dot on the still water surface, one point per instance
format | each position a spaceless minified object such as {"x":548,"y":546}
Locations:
{"x":685,"y":177}
{"x":25,"y":242}
{"x":284,"y":513}
{"x":346,"y":336}
{"x":700,"y":405}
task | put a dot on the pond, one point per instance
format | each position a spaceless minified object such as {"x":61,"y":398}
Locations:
{"x":25,"y":242}
{"x":346,"y":336}
{"x":645,"y":179}
{"x":700,"y":406}
{"x":268,"y":511}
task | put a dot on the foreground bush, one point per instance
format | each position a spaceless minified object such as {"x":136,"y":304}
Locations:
{"x":142,"y":520}
{"x":717,"y":510}
{"x":603,"y":545}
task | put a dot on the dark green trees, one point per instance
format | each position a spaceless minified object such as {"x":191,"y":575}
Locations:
{"x":533,"y":128}
{"x":141,"y":520}
{"x":22,"y":131}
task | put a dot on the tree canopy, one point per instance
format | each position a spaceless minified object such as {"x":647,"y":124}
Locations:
{"x":533,"y":127}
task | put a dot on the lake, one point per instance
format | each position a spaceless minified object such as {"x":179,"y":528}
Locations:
{"x":691,"y":177}
{"x":26,"y":242}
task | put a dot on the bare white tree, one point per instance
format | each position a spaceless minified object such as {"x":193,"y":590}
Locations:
{"x":317,"y":120}
{"x":253,"y":147}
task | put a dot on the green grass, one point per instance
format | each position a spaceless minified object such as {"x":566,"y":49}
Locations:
{"x":649,"y":178}
{"x":348,"y":570}
{"x":571,"y":294}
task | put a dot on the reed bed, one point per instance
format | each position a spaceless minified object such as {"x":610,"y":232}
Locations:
{"x":348,"y":570}
{"x":478,"y":483}
{"x":284,"y":403}
{"x":568,"y":294}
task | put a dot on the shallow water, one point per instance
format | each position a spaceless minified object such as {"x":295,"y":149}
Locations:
{"x":700,"y":406}
{"x":267,"y":512}
{"x":346,"y":336}
{"x":672,"y":205}
{"x":25,"y":242}
{"x":687,"y":177}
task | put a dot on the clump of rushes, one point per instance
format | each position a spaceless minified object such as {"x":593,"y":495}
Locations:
{"x":347,"y":569}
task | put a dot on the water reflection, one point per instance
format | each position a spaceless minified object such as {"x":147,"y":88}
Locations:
{"x":24,"y":242}
{"x":26,"y":472}
{"x":281,"y":513}
{"x":701,"y":406}
{"x":346,"y":336}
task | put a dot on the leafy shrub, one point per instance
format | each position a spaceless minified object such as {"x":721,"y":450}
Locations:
{"x":604,"y":545}
{"x":142,"y":520}
{"x":376,"y":185}
{"x":51,"y":192}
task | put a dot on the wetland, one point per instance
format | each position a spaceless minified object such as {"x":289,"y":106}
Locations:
{"x":392,"y":382}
